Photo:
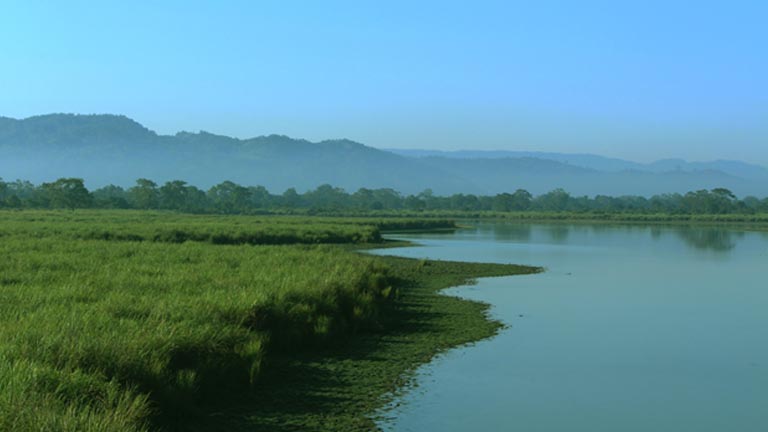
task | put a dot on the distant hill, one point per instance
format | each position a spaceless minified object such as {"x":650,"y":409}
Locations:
{"x":601,"y":163}
{"x":595,"y":162}
{"x":106,"y":149}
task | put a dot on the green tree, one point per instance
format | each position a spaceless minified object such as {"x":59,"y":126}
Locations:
{"x":666,"y":203}
{"x":327,"y":197}
{"x":144,"y":195}
{"x":26,"y":192}
{"x":464,"y":202}
{"x":3,"y":192}
{"x":413,"y":202}
{"x":229,"y":197}
{"x":291,"y":198}
{"x":521,"y":200}
{"x":722,"y":201}
{"x":387,"y":198}
{"x":751,"y":204}
{"x":556,"y":200}
{"x":428,"y":198}
{"x":363,"y":199}
{"x":259,"y":197}
{"x":196,"y":201}
{"x":502,"y":202}
{"x":13,"y":201}
{"x":68,"y":193}
{"x":698,"y":202}
{"x":111,"y":196}
{"x":173,"y":195}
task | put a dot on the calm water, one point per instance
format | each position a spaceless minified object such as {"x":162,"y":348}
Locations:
{"x":630,"y":329}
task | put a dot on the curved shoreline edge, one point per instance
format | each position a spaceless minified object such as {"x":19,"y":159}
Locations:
{"x":343,"y":387}
{"x":187,"y":323}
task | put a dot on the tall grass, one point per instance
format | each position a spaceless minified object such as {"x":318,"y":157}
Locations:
{"x":124,"y":335}
{"x":124,"y":225}
{"x":646,"y":217}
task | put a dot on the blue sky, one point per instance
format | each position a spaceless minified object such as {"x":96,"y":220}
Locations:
{"x":638,"y":80}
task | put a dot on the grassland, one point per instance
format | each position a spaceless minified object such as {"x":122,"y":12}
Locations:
{"x":133,"y":321}
{"x":754,"y":220}
{"x":167,"y":227}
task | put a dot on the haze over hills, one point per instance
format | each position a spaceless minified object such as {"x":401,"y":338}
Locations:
{"x":601,"y":163}
{"x":106,"y":149}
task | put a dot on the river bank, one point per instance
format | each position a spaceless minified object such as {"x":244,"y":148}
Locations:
{"x":139,"y":321}
{"x":338,"y":388}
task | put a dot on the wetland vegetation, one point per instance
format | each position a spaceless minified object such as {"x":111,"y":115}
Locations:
{"x":132,"y":321}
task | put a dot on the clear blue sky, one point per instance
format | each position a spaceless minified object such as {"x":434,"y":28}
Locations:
{"x":640,"y":80}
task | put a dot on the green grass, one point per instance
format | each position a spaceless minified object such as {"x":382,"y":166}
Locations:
{"x":756,"y":219}
{"x":339,"y":388}
{"x":127,"y":225}
{"x":157,"y":334}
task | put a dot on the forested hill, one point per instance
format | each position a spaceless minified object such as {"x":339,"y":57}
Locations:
{"x":109,"y":149}
{"x":106,"y":149}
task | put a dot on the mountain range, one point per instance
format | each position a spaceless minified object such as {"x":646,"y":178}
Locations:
{"x":111,"y":149}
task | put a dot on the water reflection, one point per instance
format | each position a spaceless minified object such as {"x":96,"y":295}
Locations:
{"x":559,"y":233}
{"x":711,"y":239}
{"x":511,"y":232}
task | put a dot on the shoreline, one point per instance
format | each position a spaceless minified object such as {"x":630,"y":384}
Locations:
{"x":346,"y":387}
{"x":752,"y":226}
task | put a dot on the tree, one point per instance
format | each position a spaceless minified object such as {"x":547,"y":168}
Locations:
{"x":111,"y":196}
{"x":327,"y":197}
{"x":464,"y":202}
{"x":702,"y":202}
{"x":518,"y":201}
{"x":173,"y":195}
{"x":229,"y":197}
{"x":427,"y":196}
{"x":502,"y":202}
{"x":666,"y":203}
{"x":751,"y":204}
{"x":3,"y":192}
{"x":24,"y":191}
{"x":144,"y":195}
{"x":387,"y":198}
{"x":68,"y":193}
{"x":521,"y":200}
{"x":723,"y":201}
{"x":259,"y":197}
{"x":196,"y":201}
{"x":291,"y":198}
{"x":556,"y":200}
{"x":363,"y":199}
{"x":414,"y":203}
{"x":13,"y":202}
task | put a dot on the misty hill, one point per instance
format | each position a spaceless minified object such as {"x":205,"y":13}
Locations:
{"x":602,"y":163}
{"x":106,"y":149}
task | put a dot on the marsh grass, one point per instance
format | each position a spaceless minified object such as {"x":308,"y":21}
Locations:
{"x":166,"y":227}
{"x":126,"y":335}
{"x":136,"y":321}
{"x":344,"y":387}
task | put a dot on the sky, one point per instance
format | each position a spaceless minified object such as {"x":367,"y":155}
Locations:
{"x":640,"y":80}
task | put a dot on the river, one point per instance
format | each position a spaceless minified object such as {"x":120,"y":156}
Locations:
{"x":631,"y":328}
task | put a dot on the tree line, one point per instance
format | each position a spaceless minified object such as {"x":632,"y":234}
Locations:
{"x":231,"y":198}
